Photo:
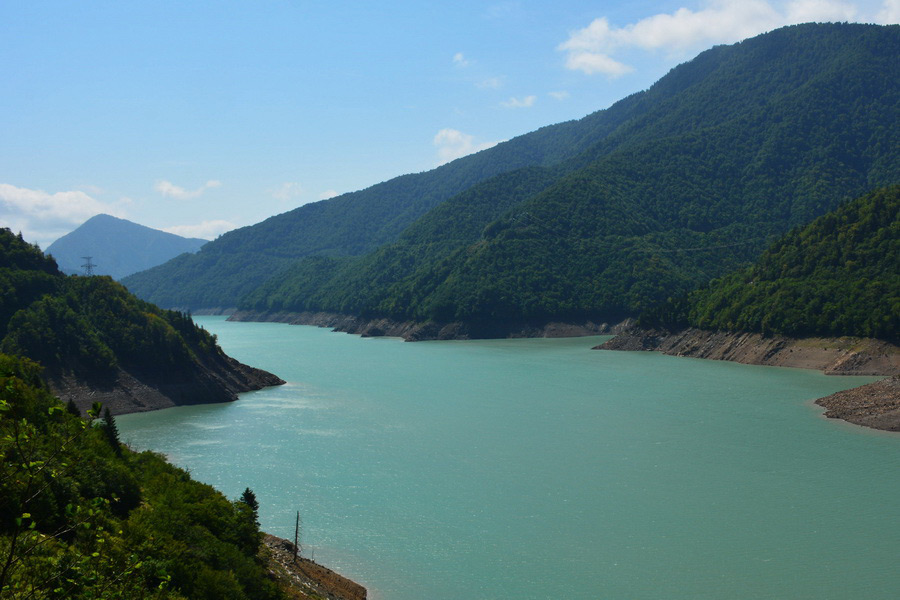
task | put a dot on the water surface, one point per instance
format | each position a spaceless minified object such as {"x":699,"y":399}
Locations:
{"x":534,"y":469}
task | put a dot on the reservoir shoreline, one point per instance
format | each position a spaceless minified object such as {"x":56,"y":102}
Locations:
{"x":875,"y":405}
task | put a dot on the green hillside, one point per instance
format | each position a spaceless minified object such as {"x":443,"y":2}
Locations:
{"x":840,"y":275}
{"x":226,"y":269}
{"x":84,"y":518}
{"x":717,"y":159}
{"x":91,"y":329}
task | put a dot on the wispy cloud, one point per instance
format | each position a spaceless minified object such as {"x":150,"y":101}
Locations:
{"x":460,"y":60}
{"x":287,"y":191}
{"x":592,"y":48}
{"x":328,"y":194}
{"x":524,"y":102}
{"x":452,"y":144}
{"x":43,"y":217}
{"x":169,"y":189}
{"x":206,"y":230}
{"x":561,"y":95}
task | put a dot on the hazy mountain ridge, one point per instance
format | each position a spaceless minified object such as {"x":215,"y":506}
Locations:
{"x":118,"y":247}
{"x":692,"y":189}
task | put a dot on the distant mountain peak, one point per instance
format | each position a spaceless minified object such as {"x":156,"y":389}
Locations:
{"x":118,"y":247}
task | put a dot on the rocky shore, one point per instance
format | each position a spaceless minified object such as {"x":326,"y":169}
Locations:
{"x":219,"y":378}
{"x":413,"y":331}
{"x":834,"y":356}
{"x":875,"y":405}
{"x":304,"y":579}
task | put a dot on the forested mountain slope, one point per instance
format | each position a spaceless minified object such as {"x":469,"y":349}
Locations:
{"x":720,"y":157}
{"x":91,"y":335}
{"x":838,"y":276}
{"x":118,"y":247}
{"x":354,"y":223}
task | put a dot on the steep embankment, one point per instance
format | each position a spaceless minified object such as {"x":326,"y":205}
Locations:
{"x":834,"y":356}
{"x":220,"y":378}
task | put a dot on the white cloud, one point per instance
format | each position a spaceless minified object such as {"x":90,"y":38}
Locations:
{"x":287,"y":191}
{"x":561,"y":95}
{"x":526,"y":102}
{"x":592,"y":48}
{"x":328,"y":194}
{"x":460,"y":60}
{"x":453,"y":144}
{"x":206,"y":230}
{"x":890,"y":12}
{"x":43,"y":217}
{"x":167,"y":188}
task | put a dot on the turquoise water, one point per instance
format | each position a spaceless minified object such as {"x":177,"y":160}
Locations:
{"x":534,"y":469}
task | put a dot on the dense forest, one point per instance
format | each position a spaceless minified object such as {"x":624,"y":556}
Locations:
{"x":838,"y":276}
{"x":84,"y":517}
{"x":91,"y":329}
{"x":81,"y":515}
{"x":703,"y":172}
{"x":734,"y":147}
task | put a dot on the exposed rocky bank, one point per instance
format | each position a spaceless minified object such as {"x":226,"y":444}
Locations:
{"x":413,"y":331}
{"x":304,"y":579}
{"x":834,"y":356}
{"x":876,"y":405}
{"x":217,"y":378}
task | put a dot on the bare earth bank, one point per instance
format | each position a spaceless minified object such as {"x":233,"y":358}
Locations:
{"x":217,"y":379}
{"x":304,"y":579}
{"x":875,"y":405}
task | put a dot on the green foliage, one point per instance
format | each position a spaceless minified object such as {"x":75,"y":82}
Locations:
{"x":840,"y":275}
{"x":88,"y":326}
{"x":693,"y":178}
{"x":78,"y":521}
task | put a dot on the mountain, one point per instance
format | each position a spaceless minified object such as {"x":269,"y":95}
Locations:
{"x":118,"y":247}
{"x":96,"y":341}
{"x":690,"y":180}
{"x":837,"y":276}
{"x":239,"y":261}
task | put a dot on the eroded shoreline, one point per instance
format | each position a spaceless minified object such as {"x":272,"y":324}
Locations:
{"x":414,"y":331}
{"x":875,"y":405}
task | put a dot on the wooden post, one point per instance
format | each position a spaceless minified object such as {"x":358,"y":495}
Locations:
{"x":297,"y":536}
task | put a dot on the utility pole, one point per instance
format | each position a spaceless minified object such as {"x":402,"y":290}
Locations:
{"x":297,"y":537}
{"x":88,"y":266}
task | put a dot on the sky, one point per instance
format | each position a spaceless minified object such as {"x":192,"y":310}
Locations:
{"x":200,"y":117}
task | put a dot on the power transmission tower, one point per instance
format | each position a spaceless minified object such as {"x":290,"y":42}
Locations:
{"x":88,"y":266}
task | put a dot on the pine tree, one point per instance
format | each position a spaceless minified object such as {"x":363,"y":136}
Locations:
{"x":112,"y":432}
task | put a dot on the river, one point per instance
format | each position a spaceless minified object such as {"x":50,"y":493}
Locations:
{"x":537,"y":468}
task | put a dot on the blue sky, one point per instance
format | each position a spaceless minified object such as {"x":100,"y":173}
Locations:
{"x":198,"y":117}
